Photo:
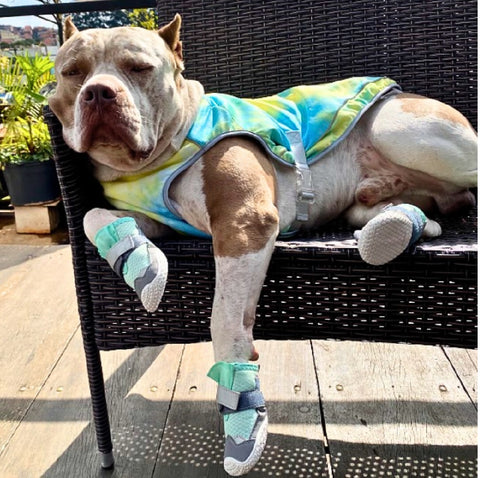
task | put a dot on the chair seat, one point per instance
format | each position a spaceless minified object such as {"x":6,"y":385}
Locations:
{"x":317,"y":287}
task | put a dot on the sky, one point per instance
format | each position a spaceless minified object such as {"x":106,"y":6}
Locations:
{"x":27,"y":20}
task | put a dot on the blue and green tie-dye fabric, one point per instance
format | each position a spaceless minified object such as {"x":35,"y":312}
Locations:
{"x":322,"y":114}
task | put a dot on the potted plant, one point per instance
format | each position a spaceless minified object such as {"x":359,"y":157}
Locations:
{"x":25,"y":150}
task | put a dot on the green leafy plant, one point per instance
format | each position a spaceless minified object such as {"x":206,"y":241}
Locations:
{"x":25,"y":80}
{"x":144,"y":18}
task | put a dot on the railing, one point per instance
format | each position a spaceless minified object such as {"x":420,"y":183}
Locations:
{"x":75,"y":7}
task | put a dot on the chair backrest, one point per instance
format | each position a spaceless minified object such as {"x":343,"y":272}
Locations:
{"x":259,"y":47}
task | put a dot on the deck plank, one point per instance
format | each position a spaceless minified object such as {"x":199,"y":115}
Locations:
{"x":57,"y":437}
{"x":38,"y":313}
{"x":465,"y":364}
{"x":395,"y":409}
{"x":193,"y":443}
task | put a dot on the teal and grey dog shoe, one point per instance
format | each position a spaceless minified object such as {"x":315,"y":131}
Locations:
{"x":135,"y":259}
{"x":390,"y":233}
{"x":244,"y":413}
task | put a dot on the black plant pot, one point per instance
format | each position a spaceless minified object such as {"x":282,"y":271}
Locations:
{"x":3,"y":185}
{"x":32,"y":182}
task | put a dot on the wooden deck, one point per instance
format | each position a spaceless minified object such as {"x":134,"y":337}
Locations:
{"x":341,"y":409}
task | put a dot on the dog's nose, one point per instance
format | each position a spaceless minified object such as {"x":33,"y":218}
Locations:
{"x":98,"y":94}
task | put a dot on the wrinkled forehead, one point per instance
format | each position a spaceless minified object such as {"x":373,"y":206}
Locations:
{"x":110,"y":44}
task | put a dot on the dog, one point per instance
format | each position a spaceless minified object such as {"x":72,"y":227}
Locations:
{"x":121,"y":97}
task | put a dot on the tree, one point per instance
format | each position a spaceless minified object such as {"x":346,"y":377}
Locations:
{"x":139,"y":17}
{"x":143,"y":17}
{"x":112,"y":19}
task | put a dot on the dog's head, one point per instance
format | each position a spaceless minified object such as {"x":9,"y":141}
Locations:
{"x":120,"y":94}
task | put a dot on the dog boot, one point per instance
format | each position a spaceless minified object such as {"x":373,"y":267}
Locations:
{"x":387,"y":235}
{"x":244,"y":413}
{"x":135,"y":259}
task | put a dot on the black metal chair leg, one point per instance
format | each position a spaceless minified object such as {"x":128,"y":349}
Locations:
{"x":99,"y":403}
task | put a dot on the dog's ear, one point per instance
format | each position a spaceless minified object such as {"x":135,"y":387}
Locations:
{"x":69,"y":29}
{"x":171,"y":34}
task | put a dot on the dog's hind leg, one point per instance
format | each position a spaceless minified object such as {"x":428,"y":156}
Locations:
{"x":359,"y":215}
{"x":389,"y":229}
{"x":425,"y":135}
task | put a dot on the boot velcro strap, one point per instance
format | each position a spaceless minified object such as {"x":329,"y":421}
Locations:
{"x":231,"y":402}
{"x":116,"y":254}
{"x":227,"y":398}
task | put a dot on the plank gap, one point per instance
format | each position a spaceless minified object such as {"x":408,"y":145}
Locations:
{"x":396,"y":409}
{"x":459,"y":376}
{"x":172,"y":397}
{"x":326,"y":446}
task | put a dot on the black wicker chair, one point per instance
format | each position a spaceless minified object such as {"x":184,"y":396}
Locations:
{"x":317,"y":287}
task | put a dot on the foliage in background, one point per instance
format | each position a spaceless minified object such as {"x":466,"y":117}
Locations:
{"x":25,"y":81}
{"x":140,"y":17}
{"x":144,"y":17}
{"x":85,"y":20}
{"x":3,"y":63}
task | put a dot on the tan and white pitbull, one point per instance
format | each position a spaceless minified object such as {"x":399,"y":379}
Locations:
{"x":121,"y":98}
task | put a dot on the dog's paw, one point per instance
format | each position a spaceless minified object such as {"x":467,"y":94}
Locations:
{"x":150,"y":281}
{"x":240,"y":455}
{"x":432,"y":229}
{"x":135,"y":259}
{"x":390,"y":233}
{"x":244,"y":413}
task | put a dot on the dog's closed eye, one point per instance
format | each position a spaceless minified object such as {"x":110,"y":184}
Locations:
{"x":141,"y":68}
{"x":71,"y":69}
{"x":71,"y":72}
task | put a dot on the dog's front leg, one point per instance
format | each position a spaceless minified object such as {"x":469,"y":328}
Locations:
{"x":231,"y":194}
{"x":239,"y":186}
{"x":239,"y":281}
{"x":97,"y":218}
{"x":238,"y":284}
{"x":120,"y":239}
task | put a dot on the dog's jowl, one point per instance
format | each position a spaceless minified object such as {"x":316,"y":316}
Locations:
{"x":243,"y":171}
